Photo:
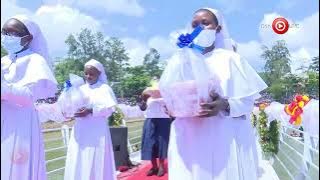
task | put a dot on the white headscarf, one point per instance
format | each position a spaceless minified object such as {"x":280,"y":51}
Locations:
{"x":223,"y":39}
{"x":103,"y":77}
{"x":38,"y":43}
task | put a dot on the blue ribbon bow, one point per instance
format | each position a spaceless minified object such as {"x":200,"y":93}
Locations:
{"x":186,"y":40}
{"x":67,"y":85}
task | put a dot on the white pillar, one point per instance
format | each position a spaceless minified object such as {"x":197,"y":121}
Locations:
{"x":65,"y":134}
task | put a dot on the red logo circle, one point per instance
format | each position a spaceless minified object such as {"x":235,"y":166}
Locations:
{"x":280,"y":25}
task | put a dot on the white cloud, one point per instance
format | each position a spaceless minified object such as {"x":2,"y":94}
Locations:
{"x":286,"y":4}
{"x":125,"y":7}
{"x":302,"y":41}
{"x":291,"y":5}
{"x":243,"y":6}
{"x":306,"y":34}
{"x":136,"y":50}
{"x":249,"y":6}
{"x":163,"y":45}
{"x":301,"y":58}
{"x":251,"y":51}
{"x":9,"y":9}
{"x":62,"y":2}
{"x":229,"y":6}
{"x":63,"y":21}
{"x":56,"y":22}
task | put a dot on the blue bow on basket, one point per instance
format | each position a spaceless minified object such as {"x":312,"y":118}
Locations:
{"x":186,"y":40}
{"x":68,"y":85}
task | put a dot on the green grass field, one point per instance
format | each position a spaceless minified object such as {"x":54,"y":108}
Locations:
{"x":134,"y":131}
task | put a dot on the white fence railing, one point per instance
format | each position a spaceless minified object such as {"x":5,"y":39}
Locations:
{"x":298,"y":157}
{"x":64,"y":140}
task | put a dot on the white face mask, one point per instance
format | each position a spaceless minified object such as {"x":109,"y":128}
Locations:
{"x":12,"y":43}
{"x":206,"y":38}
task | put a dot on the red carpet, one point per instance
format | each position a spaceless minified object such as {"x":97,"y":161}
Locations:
{"x":139,"y":173}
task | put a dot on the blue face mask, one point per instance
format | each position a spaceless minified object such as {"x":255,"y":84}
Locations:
{"x":12,"y":43}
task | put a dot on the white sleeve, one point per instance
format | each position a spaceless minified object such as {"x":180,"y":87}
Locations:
{"x":26,"y":95}
{"x":105,"y":104}
{"x":102,"y":111}
{"x":21,"y":95}
{"x":241,"y":106}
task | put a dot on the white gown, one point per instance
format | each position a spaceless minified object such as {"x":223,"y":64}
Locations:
{"x":220,"y":147}
{"x":27,"y":79}
{"x":90,"y":151}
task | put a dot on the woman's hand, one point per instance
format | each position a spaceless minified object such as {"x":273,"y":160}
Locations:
{"x":142,"y":101}
{"x":83,"y":112}
{"x":166,"y":110}
{"x":142,"y":105}
{"x":213,"y":107}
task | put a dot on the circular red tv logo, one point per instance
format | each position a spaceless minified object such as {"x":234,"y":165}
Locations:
{"x":280,"y":25}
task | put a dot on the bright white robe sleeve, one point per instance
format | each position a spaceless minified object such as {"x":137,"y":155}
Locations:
{"x":21,"y":95}
{"x":239,"y":107}
{"x":237,"y":78}
{"x":50,"y":112}
{"x":101,"y":111}
{"x":104,"y":103}
{"x":239,"y":82}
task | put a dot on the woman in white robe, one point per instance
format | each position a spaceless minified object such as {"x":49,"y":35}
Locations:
{"x":90,"y":150}
{"x":220,"y":144}
{"x":25,"y":78}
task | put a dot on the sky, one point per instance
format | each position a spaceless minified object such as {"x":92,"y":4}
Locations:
{"x":145,"y":24}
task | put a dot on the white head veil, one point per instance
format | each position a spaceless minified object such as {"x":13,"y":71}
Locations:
{"x":103,"y":77}
{"x":38,"y":43}
{"x":223,"y":39}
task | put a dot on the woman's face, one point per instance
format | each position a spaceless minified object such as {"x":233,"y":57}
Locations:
{"x":91,"y":74}
{"x":14,"y":27}
{"x":205,"y":18}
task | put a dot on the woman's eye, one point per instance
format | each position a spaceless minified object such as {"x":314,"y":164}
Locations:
{"x":205,"y":23}
{"x":194,"y":25}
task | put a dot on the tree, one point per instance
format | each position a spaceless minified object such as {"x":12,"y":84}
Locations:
{"x":3,"y":51}
{"x":127,"y":82}
{"x":283,"y":85}
{"x":138,"y":78}
{"x":277,"y":67}
{"x":312,"y":84}
{"x":277,"y":61}
{"x":132,"y":85}
{"x":117,"y":59}
{"x":152,"y":64}
{"x":312,"y":81}
{"x":314,"y":66}
{"x":263,"y":75}
{"x":67,"y":66}
{"x":88,"y":45}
